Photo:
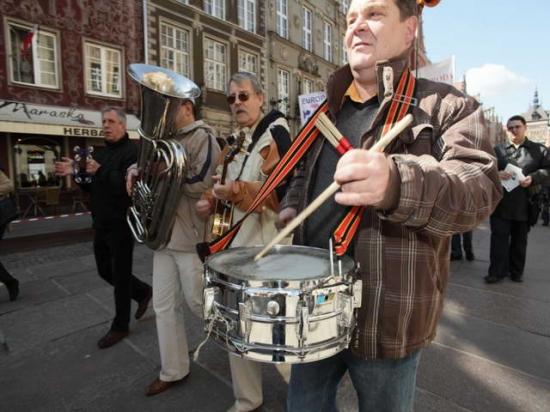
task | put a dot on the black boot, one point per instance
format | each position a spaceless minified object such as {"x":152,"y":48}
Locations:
{"x":13,"y":289}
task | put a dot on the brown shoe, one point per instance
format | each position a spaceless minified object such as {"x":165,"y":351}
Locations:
{"x":142,"y":306}
{"x":159,"y":386}
{"x":111,"y":338}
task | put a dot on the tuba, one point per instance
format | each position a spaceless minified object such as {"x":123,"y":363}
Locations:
{"x":162,"y":161}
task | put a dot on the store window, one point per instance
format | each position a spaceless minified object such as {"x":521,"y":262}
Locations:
{"x":35,"y":162}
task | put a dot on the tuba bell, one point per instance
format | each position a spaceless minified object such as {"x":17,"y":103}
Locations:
{"x":162,"y":161}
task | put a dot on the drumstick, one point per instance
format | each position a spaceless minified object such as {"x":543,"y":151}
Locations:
{"x":333,"y":188}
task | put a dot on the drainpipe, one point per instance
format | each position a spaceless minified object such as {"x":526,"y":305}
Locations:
{"x":145,"y":33}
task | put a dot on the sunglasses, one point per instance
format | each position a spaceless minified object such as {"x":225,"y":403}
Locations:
{"x":242,"y":96}
{"x":510,"y":128}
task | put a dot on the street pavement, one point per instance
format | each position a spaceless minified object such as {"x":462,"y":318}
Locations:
{"x":491,"y":353}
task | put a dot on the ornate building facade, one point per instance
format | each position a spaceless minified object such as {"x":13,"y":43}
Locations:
{"x":63,"y":61}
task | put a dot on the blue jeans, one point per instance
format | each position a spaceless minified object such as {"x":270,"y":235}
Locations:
{"x":382,"y":385}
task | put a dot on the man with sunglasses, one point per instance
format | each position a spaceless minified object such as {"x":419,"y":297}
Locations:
{"x":267,"y":139}
{"x":514,"y":215}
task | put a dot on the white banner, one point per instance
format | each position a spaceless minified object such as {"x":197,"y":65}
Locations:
{"x":443,"y":71}
{"x":309,"y":103}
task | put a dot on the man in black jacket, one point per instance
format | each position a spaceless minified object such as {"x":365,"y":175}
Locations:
{"x":511,"y":220}
{"x":113,"y":240}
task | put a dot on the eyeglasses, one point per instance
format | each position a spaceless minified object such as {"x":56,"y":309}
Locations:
{"x":242,"y":96}
{"x":510,"y":128}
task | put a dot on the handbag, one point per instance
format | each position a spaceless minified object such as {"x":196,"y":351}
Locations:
{"x":9,"y":211}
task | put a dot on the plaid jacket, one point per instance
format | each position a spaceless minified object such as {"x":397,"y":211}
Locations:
{"x":444,"y":180}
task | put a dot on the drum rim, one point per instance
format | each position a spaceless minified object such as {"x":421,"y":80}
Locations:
{"x":347,"y":261}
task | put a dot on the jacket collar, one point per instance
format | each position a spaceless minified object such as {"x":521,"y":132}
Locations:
{"x":388,"y":73}
{"x":118,"y":142}
{"x":193,"y":126}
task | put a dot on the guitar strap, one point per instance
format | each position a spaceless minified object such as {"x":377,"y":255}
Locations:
{"x":345,"y":231}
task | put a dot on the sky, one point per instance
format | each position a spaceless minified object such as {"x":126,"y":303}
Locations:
{"x":502,"y":47}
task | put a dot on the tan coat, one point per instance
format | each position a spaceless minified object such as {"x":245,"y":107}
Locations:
{"x":203,"y":152}
{"x":6,"y":185}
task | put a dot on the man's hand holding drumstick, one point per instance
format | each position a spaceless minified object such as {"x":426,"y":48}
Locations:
{"x":363,"y":176}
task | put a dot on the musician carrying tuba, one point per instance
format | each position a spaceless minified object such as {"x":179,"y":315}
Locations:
{"x":174,"y":161}
{"x":177,"y":159}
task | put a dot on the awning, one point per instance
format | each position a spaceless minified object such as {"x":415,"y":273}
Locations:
{"x":17,"y":117}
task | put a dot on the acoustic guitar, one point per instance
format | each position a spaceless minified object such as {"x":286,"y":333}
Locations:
{"x":223,"y":213}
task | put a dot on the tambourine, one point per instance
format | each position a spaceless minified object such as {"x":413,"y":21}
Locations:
{"x":79,"y":164}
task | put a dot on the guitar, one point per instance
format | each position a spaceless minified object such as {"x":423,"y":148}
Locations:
{"x":223,"y":213}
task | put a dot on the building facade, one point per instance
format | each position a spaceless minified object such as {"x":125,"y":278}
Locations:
{"x":207,"y":41}
{"x":62,"y":62}
{"x":65,"y":60}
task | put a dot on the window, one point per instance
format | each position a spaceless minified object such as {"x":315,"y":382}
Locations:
{"x":102,"y":70}
{"x":327,"y":42}
{"x":282,"y":18}
{"x":307,"y":86}
{"x":215,"y":8}
{"x":174,"y":49}
{"x":215,"y":64}
{"x":35,"y":162}
{"x":283,"y":90}
{"x":345,"y":7}
{"x":306,"y":29}
{"x":33,"y":56}
{"x":184,"y":1}
{"x":344,"y":51}
{"x":247,"y":15}
{"x":248,"y":62}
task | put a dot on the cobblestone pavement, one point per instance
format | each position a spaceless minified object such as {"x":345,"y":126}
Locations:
{"x":491,"y":354}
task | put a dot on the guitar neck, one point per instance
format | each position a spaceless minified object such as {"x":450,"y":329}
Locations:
{"x":224,"y":173}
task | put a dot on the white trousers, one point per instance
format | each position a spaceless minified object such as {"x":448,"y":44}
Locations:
{"x":247,"y":381}
{"x":175,"y":275}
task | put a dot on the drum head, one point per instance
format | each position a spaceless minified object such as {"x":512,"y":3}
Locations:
{"x":281,"y":263}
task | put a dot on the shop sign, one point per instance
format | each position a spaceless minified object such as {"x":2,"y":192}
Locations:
{"x":79,"y":131}
{"x":27,"y":112}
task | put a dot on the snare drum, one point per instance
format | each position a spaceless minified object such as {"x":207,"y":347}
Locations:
{"x":296,"y":304}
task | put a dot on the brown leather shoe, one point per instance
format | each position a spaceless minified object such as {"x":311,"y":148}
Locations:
{"x":111,"y":338}
{"x":142,"y":306}
{"x":159,"y":386}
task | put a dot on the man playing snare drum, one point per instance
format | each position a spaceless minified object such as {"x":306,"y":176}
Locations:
{"x":439,"y":177}
{"x":266,"y":140}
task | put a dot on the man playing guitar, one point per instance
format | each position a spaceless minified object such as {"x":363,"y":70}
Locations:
{"x":266,"y":141}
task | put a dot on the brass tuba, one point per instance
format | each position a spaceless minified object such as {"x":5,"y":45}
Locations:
{"x":162,"y":161}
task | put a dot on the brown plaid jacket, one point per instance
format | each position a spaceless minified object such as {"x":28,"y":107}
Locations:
{"x":444,"y":181}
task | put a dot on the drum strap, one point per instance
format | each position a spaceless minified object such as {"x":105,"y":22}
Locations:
{"x":346,"y":229}
{"x":401,"y":104}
